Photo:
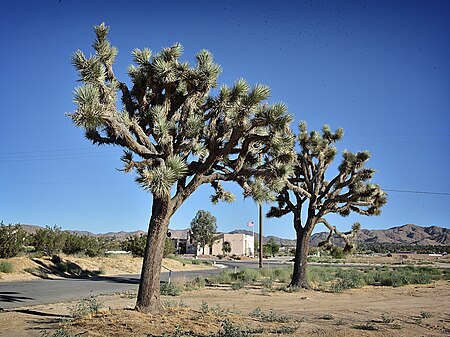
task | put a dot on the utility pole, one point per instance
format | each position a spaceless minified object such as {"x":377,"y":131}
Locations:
{"x":260,"y":237}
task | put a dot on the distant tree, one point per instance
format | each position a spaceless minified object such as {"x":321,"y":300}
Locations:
{"x":49,"y":240}
{"x":204,"y":228}
{"x":226,"y":248}
{"x":271,"y":248}
{"x":11,"y":240}
{"x":308,"y":193}
{"x":135,"y":244}
{"x":169,"y":247}
{"x":177,"y":136}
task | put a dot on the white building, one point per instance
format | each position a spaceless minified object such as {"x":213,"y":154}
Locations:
{"x":241,"y":245}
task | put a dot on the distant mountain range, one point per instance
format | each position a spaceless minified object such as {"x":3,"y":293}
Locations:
{"x":407,"y":234}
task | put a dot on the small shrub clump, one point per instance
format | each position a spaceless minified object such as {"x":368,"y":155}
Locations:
{"x":11,"y":240}
{"x":6,"y":267}
{"x":170,"y":289}
{"x":85,"y":307}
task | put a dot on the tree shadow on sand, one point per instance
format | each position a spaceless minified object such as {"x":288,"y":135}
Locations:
{"x":59,"y":267}
{"x":12,"y":297}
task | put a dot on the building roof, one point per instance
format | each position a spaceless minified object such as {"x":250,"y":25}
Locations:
{"x":182,"y":234}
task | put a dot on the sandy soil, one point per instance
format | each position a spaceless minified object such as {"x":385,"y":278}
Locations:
{"x":421,"y":310}
{"x":110,"y":265}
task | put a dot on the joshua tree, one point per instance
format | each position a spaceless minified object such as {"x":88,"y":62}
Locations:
{"x":309,"y":195}
{"x":203,"y":228}
{"x":176,"y":136}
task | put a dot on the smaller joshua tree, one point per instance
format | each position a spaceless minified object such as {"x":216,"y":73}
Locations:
{"x":310,"y":195}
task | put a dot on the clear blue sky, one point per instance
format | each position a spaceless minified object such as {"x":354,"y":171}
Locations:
{"x":379,"y":69}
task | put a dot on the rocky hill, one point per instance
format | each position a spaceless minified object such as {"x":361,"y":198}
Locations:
{"x":407,"y":234}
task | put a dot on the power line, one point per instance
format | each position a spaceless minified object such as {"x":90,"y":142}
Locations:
{"x":417,"y":192}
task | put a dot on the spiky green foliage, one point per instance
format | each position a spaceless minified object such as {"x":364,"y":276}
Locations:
{"x":173,"y":131}
{"x":177,"y":136}
{"x":310,"y":195}
{"x":348,"y":191}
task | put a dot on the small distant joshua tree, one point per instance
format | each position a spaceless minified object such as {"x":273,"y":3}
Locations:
{"x":176,"y":136}
{"x":310,"y":195}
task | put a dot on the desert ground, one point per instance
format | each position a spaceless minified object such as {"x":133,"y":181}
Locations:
{"x":422,"y":310}
{"x":413,"y":310}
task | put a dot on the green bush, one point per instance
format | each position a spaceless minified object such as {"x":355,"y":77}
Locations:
{"x":11,"y":240}
{"x":84,"y":307}
{"x":170,"y":289}
{"x":230,"y":330}
{"x":49,"y":241}
{"x":6,"y":267}
{"x":248,"y":275}
{"x":136,"y":245}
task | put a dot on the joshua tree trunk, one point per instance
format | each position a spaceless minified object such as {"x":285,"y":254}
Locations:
{"x":148,"y":300}
{"x":299,"y":277}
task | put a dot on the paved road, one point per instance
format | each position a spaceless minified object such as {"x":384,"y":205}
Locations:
{"x":27,"y":293}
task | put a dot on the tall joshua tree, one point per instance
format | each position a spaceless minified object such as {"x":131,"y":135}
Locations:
{"x":176,"y":136}
{"x":310,"y":197}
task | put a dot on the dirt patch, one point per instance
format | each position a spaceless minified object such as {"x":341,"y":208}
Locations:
{"x":421,"y":310}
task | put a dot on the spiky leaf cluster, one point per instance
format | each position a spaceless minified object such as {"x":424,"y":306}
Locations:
{"x":348,"y":191}
{"x":175,"y":134}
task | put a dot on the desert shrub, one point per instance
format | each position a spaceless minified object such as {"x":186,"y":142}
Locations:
{"x":194,"y":284}
{"x":248,"y":275}
{"x":319,"y":275}
{"x":367,"y":326}
{"x":94,"y":246}
{"x":11,"y":240}
{"x":386,"y":318}
{"x":282,"y":275}
{"x":73,"y":244}
{"x":175,"y":304}
{"x":6,"y":267}
{"x":170,"y":289}
{"x":61,"y":332}
{"x":85,"y":307}
{"x":425,"y":314}
{"x":224,"y":277}
{"x":136,"y":245}
{"x":272,"y":316}
{"x":401,"y":276}
{"x":239,"y":284}
{"x":231,"y":330}
{"x":179,"y":332}
{"x":337,"y":252}
{"x":350,"y":278}
{"x":49,"y":241}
